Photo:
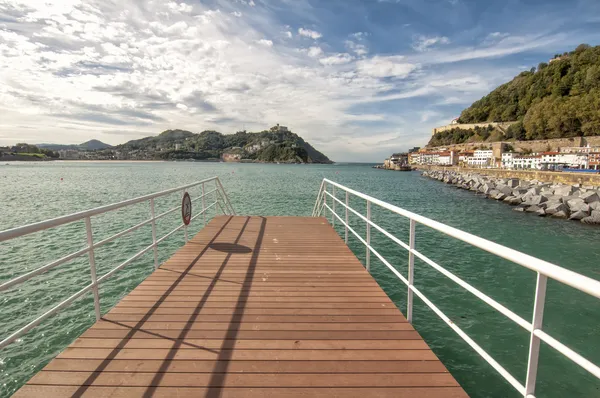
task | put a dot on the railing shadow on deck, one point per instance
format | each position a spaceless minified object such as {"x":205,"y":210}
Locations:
{"x":179,"y":340}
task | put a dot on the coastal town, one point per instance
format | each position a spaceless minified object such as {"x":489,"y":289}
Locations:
{"x":499,"y":157}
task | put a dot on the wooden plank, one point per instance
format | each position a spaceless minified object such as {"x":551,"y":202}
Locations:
{"x":168,"y":379}
{"x":252,"y":307}
{"x":208,"y":366}
{"x":46,"y":391}
{"x":189,"y":343}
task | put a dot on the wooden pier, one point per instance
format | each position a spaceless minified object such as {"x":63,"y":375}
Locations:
{"x":252,"y":307}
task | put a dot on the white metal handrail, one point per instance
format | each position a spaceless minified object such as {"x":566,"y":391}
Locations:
{"x":543,"y":269}
{"x":220,"y":198}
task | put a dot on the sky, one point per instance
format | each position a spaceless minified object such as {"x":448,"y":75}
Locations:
{"x":358,"y":80}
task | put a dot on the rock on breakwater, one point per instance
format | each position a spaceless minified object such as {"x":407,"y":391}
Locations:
{"x":580,"y":203}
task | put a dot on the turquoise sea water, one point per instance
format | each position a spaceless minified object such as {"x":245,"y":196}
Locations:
{"x":32,"y":192}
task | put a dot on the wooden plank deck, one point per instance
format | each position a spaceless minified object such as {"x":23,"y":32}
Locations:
{"x":252,"y":307}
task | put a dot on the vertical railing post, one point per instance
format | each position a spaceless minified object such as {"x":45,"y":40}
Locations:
{"x":368,"y":258}
{"x":346,"y":227}
{"x":154,"y":244}
{"x":90,"y":242}
{"x":411,"y":271}
{"x":534,"y":341}
{"x":333,"y":207}
{"x":324,"y":200}
{"x":203,"y":205}
{"x":185,"y":228}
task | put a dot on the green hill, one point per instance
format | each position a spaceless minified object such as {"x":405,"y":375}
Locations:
{"x":91,"y":145}
{"x":274,"y":145}
{"x":555,"y":100}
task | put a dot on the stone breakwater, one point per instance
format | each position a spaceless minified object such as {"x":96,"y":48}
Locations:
{"x":573,"y":202}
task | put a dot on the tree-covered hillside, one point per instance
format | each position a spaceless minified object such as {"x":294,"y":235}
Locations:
{"x":274,"y":145}
{"x":555,"y":100}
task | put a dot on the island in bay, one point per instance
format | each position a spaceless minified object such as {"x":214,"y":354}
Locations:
{"x":276,"y":145}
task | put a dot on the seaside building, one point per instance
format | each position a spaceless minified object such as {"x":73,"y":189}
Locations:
{"x":448,"y":158}
{"x":508,"y":159}
{"x":481,"y":158}
{"x":527,"y":162}
{"x":594,"y":160}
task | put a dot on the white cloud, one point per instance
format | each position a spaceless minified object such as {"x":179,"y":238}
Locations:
{"x":423,"y":43}
{"x":265,"y":42}
{"x":359,"y":35}
{"x":236,"y":14}
{"x":314,"y":52}
{"x":117,"y":71}
{"x":336,"y":59}
{"x":309,"y":33}
{"x":386,"y":66}
{"x":358,"y":49}
{"x":180,"y":7}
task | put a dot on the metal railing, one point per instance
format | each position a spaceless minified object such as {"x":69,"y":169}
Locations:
{"x":543,"y":269}
{"x":221,"y":200}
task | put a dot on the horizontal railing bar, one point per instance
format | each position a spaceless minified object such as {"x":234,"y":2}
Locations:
{"x":203,"y":211}
{"x":377,"y":227}
{"x":514,"y":382}
{"x":169,"y":234}
{"x":41,"y":270}
{"x":55,"y":222}
{"x":375,"y":252}
{"x":569,"y":353}
{"x":499,"y":368}
{"x":122,"y":233}
{"x":201,"y":196}
{"x":161,"y":215}
{"x":125,"y":263}
{"x":10,"y":339}
{"x":483,"y":297}
{"x":570,"y":278}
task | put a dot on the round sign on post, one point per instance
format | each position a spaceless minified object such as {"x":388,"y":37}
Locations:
{"x":186,"y":209}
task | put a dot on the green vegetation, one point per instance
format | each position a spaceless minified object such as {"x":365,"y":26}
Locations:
{"x":274,"y":145}
{"x":28,"y":150}
{"x":555,"y":100}
{"x":460,"y":136}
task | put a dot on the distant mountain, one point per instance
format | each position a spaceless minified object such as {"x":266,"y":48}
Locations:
{"x":94,"y":145}
{"x":559,"y":99}
{"x":277,"y":144}
{"x":91,"y":145}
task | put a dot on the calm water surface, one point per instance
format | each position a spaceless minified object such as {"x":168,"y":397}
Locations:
{"x":31,"y":192}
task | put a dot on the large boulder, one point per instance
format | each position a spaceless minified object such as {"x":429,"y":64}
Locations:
{"x":559,"y":214}
{"x":578,"y":205}
{"x":535,"y":190}
{"x":504,"y":189}
{"x":594,"y":218}
{"x":564,"y":190}
{"x":537,"y":199}
{"x":556,"y":207}
{"x":500,"y":196}
{"x":513,"y":201}
{"x":533,"y":209}
{"x":541,"y":213}
{"x":579,"y":215}
{"x":518,"y":191}
{"x":590,"y":197}
{"x":595,"y":205}
{"x":513,"y":182}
